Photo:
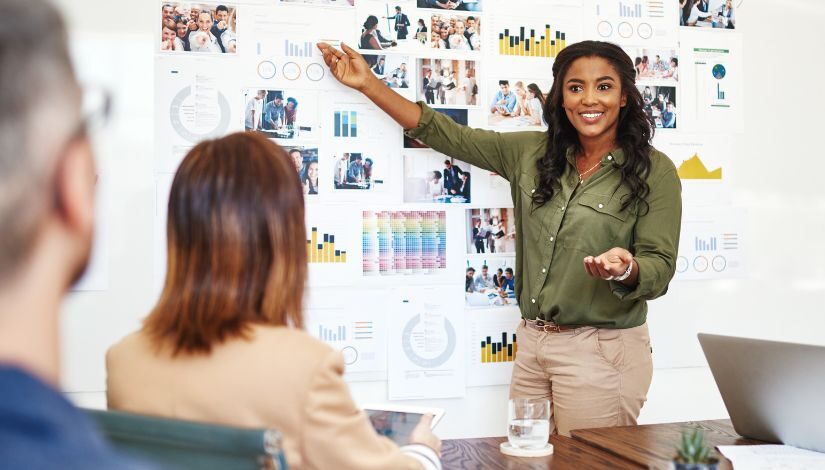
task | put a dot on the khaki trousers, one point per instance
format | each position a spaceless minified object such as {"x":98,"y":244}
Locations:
{"x":593,"y":377}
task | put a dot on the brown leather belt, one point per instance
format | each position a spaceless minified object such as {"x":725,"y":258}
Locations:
{"x":548,"y":326}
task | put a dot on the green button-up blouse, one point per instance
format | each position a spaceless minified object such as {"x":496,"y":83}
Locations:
{"x":552,"y":240}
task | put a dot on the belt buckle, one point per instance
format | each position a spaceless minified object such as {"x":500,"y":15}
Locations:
{"x":548,"y":327}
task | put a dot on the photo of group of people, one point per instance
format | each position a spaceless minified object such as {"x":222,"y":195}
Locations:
{"x":196,"y":27}
{"x":655,"y":64}
{"x":461,"y":5}
{"x":354,"y":171}
{"x":455,"y":32}
{"x":306,"y":163}
{"x":490,"y":282}
{"x":342,"y":3}
{"x":518,"y":103}
{"x":707,"y":13}
{"x":491,"y":231}
{"x":660,"y":104}
{"x":457,"y":115}
{"x":393,"y":70}
{"x":448,"y":82}
{"x":432,"y":178}
{"x":276,"y":113}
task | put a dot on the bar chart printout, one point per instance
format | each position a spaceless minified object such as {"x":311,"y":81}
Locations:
{"x":293,"y":49}
{"x":530,"y":42}
{"x":332,"y":334}
{"x":499,"y":351}
{"x":346,"y":124}
{"x":321,"y":248}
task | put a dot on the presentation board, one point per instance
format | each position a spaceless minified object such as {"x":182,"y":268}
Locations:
{"x":387,"y":214}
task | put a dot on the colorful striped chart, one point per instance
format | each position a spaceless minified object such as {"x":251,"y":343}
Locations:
{"x":404,"y":242}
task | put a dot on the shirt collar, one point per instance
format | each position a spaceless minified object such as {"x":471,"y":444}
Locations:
{"x":617,"y":155}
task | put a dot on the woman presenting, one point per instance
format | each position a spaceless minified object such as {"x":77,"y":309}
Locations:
{"x":597,"y":212}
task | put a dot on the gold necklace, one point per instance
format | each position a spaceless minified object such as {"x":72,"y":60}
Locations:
{"x":582,"y":173}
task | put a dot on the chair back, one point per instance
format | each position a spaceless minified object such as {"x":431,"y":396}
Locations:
{"x":176,"y":444}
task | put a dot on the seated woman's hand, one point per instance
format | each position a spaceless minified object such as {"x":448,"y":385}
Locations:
{"x":423,"y":434}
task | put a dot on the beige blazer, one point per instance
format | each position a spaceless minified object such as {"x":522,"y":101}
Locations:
{"x":280,"y":378}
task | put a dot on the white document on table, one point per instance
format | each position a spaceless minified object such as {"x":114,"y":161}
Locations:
{"x":764,"y":457}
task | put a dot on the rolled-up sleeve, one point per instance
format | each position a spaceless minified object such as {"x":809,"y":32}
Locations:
{"x":656,"y":240}
{"x":489,"y":150}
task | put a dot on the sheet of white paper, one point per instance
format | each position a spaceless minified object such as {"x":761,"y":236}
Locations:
{"x":426,"y":340}
{"x":772,"y":457}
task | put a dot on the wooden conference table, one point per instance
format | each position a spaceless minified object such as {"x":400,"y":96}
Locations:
{"x":647,"y":446}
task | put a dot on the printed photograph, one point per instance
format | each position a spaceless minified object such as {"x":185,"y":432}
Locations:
{"x":490,"y":282}
{"x":393,"y":70}
{"x":356,"y":171}
{"x":447,"y":82}
{"x":460,"y":5}
{"x":306,"y":164}
{"x":281,"y":114}
{"x":455,"y":32}
{"x":518,"y":104}
{"x":457,"y":115}
{"x":655,"y":64}
{"x":660,"y":104}
{"x":190,"y":27}
{"x":491,"y":231}
{"x":387,"y":25}
{"x":436,"y":178}
{"x":331,"y":3}
{"x":717,"y":14}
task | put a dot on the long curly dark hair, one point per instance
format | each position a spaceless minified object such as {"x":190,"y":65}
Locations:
{"x":633,"y":135}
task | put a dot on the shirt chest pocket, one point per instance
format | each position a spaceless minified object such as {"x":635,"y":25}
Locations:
{"x":598,"y":224}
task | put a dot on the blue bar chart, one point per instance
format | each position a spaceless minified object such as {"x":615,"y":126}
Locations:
{"x":346,"y":124}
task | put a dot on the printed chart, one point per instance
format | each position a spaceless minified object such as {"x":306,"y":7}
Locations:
{"x":711,"y":245}
{"x":635,"y":22}
{"x":427,"y":332}
{"x":492,"y":346}
{"x":404,"y":242}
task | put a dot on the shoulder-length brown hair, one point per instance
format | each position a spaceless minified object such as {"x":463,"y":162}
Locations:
{"x":236,"y":245}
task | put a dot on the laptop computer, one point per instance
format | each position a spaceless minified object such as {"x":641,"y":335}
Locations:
{"x":773,"y":391}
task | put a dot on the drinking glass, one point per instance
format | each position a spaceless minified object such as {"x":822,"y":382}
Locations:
{"x":529,"y":422}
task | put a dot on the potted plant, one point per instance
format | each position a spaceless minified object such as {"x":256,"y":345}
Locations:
{"x":694,"y":454}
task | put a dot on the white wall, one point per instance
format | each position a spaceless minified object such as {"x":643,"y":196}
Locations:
{"x":780,"y":163}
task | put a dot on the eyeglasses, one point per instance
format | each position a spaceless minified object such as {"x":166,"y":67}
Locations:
{"x":96,"y":107}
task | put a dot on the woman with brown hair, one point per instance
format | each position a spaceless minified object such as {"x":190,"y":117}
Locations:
{"x":224,"y":344}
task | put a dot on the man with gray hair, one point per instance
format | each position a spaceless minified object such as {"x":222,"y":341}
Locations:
{"x":47,"y":180}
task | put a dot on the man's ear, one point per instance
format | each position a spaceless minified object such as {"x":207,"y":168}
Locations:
{"x":76,"y":181}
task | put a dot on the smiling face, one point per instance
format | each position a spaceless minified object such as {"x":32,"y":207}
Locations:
{"x":592,"y":97}
{"x":222,"y":15}
{"x":205,"y":22}
{"x":181,"y":29}
{"x":312,"y":171}
{"x":168,"y":12}
{"x":168,"y":34}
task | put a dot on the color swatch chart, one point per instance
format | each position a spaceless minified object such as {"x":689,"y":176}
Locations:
{"x":404,"y":242}
{"x":346,"y":124}
{"x":523,"y":41}
{"x":321,"y":248}
{"x":501,"y":351}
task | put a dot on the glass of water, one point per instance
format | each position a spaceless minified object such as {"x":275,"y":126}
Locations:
{"x":529,"y":420}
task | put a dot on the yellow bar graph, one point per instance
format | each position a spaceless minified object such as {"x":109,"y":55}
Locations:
{"x":321,"y":249}
{"x":523,"y":41}
{"x":499,"y":351}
